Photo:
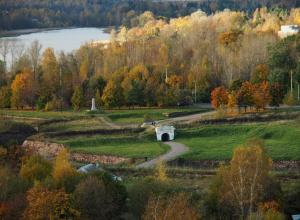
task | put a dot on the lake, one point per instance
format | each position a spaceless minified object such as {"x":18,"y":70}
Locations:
{"x":65,"y":40}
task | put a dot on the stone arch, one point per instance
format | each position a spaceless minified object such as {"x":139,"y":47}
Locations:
{"x":165,"y":137}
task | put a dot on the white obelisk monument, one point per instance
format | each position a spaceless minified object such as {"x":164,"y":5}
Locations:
{"x":93,"y":105}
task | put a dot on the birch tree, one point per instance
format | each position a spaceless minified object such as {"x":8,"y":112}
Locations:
{"x":245,"y":179}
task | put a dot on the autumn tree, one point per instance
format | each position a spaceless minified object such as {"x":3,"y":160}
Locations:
{"x":51,"y":76}
{"x":219,"y":97}
{"x":245,"y":179}
{"x":112,"y":95}
{"x":232,"y":102}
{"x":24,"y":90}
{"x":77,"y":99}
{"x":134,"y":84}
{"x":261,"y":95}
{"x":35,"y":168}
{"x":46,"y":204}
{"x":63,"y":173}
{"x":177,"y":207}
{"x":245,"y":95}
{"x":260,"y":74}
{"x":97,"y":198}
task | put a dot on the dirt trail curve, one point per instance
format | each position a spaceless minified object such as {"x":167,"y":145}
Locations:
{"x":177,"y":149}
{"x":108,"y":123}
{"x":188,"y":118}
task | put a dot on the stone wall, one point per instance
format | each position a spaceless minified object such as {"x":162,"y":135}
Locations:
{"x":50,"y":150}
{"x":94,"y":158}
{"x":44,"y":149}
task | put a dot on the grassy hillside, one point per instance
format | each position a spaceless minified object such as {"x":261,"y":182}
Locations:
{"x":118,"y":145}
{"x":216,"y":142}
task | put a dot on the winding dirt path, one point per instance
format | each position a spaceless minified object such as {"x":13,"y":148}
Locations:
{"x":188,"y":118}
{"x":177,"y":149}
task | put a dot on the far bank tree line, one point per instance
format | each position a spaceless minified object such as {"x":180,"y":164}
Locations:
{"x":161,"y":63}
{"x":67,"y":13}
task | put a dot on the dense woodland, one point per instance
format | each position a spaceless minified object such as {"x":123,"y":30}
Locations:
{"x":160,"y":63}
{"x":64,"y":13}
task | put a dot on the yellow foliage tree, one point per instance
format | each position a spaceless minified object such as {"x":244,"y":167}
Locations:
{"x":245,"y":179}
{"x":232,"y":102}
{"x":50,"y":71}
{"x":62,"y":169}
{"x":24,"y":90}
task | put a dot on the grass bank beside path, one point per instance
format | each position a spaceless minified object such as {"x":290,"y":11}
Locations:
{"x":41,"y":114}
{"x":137,"y":116}
{"x":117,"y":145}
{"x":217,"y":142}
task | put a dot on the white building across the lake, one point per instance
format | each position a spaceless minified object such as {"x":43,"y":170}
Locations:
{"x":288,"y":30}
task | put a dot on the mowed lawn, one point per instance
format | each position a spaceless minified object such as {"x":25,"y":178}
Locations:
{"x":217,"y":142}
{"x":117,"y":145}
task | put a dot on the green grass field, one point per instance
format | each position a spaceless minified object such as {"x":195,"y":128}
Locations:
{"x":75,"y":125}
{"x":41,"y":114}
{"x":118,"y":145}
{"x":216,"y":142}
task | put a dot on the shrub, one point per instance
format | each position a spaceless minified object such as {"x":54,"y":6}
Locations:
{"x":54,"y":104}
{"x":41,"y":103}
{"x":140,"y":192}
{"x":175,"y":207}
{"x":289,"y":99}
{"x":5,"y":96}
{"x":97,"y":198}
{"x":77,"y":99}
{"x":277,"y":94}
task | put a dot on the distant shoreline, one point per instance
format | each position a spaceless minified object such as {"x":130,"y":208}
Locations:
{"x":15,"y":33}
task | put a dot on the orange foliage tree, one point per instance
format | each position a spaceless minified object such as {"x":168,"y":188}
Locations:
{"x":219,"y":97}
{"x":24,"y":90}
{"x":45,"y":204}
{"x":245,"y":95}
{"x":261,"y":95}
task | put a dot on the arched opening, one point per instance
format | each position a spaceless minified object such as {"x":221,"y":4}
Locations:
{"x":165,"y":137}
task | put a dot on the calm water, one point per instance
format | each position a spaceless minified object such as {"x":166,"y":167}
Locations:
{"x":65,"y":40}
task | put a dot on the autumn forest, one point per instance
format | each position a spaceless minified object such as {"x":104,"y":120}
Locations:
{"x":183,"y":59}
